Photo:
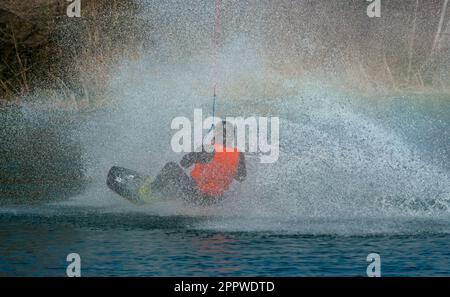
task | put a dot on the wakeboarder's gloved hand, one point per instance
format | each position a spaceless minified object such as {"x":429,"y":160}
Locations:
{"x":187,"y":160}
{"x":196,"y":157}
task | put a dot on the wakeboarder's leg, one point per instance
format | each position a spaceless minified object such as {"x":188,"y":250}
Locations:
{"x":173,"y":181}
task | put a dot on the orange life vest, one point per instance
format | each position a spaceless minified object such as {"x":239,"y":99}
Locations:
{"x":215,"y":177}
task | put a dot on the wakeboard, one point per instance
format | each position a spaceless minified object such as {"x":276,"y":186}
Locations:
{"x":130,"y":184}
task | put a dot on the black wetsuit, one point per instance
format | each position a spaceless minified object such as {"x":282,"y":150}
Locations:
{"x":173,"y":180}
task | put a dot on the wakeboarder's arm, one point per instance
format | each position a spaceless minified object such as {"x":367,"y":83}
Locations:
{"x":196,"y":157}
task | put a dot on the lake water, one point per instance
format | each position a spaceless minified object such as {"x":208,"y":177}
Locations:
{"x":36,"y":242}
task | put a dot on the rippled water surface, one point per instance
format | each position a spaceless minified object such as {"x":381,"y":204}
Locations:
{"x":35,"y":242}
